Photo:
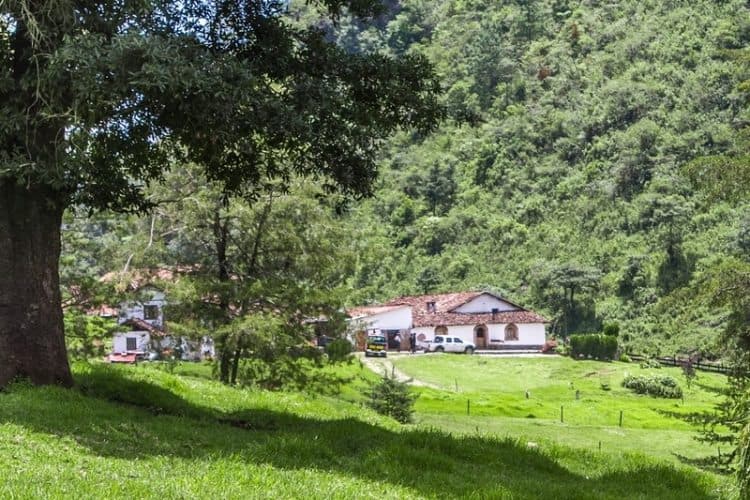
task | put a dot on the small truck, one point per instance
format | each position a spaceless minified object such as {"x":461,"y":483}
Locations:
{"x":444,"y":343}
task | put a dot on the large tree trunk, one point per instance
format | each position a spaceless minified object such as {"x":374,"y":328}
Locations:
{"x":32,"y":342}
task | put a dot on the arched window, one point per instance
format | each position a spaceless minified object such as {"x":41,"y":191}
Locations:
{"x":441,"y":330}
{"x":511,"y":332}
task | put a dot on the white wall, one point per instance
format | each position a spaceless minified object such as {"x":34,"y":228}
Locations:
{"x":531,"y":334}
{"x":134,"y":310}
{"x":485,"y":303}
{"x":528,"y":334}
{"x":464,"y":332}
{"x":397,"y":319}
{"x":119,"y":343}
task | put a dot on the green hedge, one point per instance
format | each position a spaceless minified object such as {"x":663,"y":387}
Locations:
{"x":592,"y":345}
{"x":661,"y":386}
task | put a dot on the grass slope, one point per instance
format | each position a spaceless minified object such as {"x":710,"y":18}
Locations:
{"x":141,"y":432}
{"x":496,"y":389}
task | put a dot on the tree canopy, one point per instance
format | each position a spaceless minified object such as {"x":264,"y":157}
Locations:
{"x":99,"y":97}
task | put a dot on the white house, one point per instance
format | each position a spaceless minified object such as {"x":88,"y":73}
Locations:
{"x":149,"y":307}
{"x":145,"y":317}
{"x":393,"y":322}
{"x":487,"y":320}
{"x":141,"y":339}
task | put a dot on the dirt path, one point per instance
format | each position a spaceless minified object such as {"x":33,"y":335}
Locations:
{"x":384,"y":365}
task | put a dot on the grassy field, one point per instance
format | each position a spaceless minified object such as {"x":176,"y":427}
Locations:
{"x":496,"y":389}
{"x":143,"y":432}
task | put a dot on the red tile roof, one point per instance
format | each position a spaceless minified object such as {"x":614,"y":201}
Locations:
{"x":359,"y":312}
{"x":445,"y":303}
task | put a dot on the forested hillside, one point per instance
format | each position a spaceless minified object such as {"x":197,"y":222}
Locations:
{"x":557,"y":178}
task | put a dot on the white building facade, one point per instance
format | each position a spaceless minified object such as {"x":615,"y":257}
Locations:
{"x":482,"y":318}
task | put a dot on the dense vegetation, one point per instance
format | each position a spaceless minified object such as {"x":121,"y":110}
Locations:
{"x":559,"y":180}
{"x":564,"y":177}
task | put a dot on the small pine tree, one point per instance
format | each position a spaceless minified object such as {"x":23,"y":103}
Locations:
{"x":392,"y":398}
{"x":743,"y":470}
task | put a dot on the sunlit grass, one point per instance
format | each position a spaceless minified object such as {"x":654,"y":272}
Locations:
{"x":523,"y":397}
{"x":140,"y":432}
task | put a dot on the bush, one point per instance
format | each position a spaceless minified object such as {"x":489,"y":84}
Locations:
{"x":612,"y":329}
{"x":596,"y":346}
{"x":392,"y":398}
{"x":661,"y":386}
{"x":339,"y":350}
{"x":624,"y":358}
{"x":743,"y":469}
{"x":563,"y":349}
{"x":287,"y":372}
{"x":650,"y":363}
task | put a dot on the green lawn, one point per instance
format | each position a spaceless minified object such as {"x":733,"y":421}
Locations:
{"x":143,"y":432}
{"x":496,"y":389}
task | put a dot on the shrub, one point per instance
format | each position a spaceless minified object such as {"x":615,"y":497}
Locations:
{"x":650,"y":363}
{"x":287,"y":372}
{"x":563,"y":349}
{"x":392,"y":398}
{"x":612,"y":329}
{"x":743,"y":469}
{"x":661,"y":386}
{"x":625,"y":358}
{"x":339,"y":350}
{"x":596,"y":346}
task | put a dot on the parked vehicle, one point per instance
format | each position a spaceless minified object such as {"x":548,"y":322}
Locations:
{"x":444,"y":343}
{"x":376,"y":346}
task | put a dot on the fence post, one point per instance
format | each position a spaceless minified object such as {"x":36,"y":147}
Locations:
{"x":468,"y":407}
{"x":562,"y":420}
{"x":620,"y":418}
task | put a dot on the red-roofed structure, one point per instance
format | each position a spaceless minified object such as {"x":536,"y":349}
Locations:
{"x":482,"y":318}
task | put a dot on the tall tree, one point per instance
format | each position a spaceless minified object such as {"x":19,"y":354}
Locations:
{"x":95,"y":96}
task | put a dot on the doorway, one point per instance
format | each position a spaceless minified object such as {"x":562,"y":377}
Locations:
{"x":480,"y":336}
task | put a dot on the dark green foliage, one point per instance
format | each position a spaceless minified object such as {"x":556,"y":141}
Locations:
{"x":660,"y":386}
{"x":88,"y":336}
{"x":99,"y":101}
{"x":295,"y":371}
{"x":392,"y":398}
{"x":568,"y":190}
{"x":612,"y":329}
{"x":593,"y":345}
{"x":743,"y":468}
{"x":650,"y":363}
{"x":339,"y":350}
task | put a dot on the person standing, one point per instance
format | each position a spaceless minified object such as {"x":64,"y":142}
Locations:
{"x":413,"y":342}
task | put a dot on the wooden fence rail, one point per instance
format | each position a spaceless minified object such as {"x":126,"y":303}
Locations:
{"x":679,"y":361}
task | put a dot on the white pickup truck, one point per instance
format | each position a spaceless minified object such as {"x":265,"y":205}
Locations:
{"x":444,"y":343}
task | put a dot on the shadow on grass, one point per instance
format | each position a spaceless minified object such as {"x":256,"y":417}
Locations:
{"x":709,"y":463}
{"x":430,"y":463}
{"x":710,"y":388}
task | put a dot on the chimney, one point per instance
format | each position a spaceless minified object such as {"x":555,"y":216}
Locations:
{"x":431,"y":307}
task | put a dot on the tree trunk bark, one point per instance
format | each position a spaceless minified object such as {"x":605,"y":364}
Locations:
{"x":32,"y":341}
